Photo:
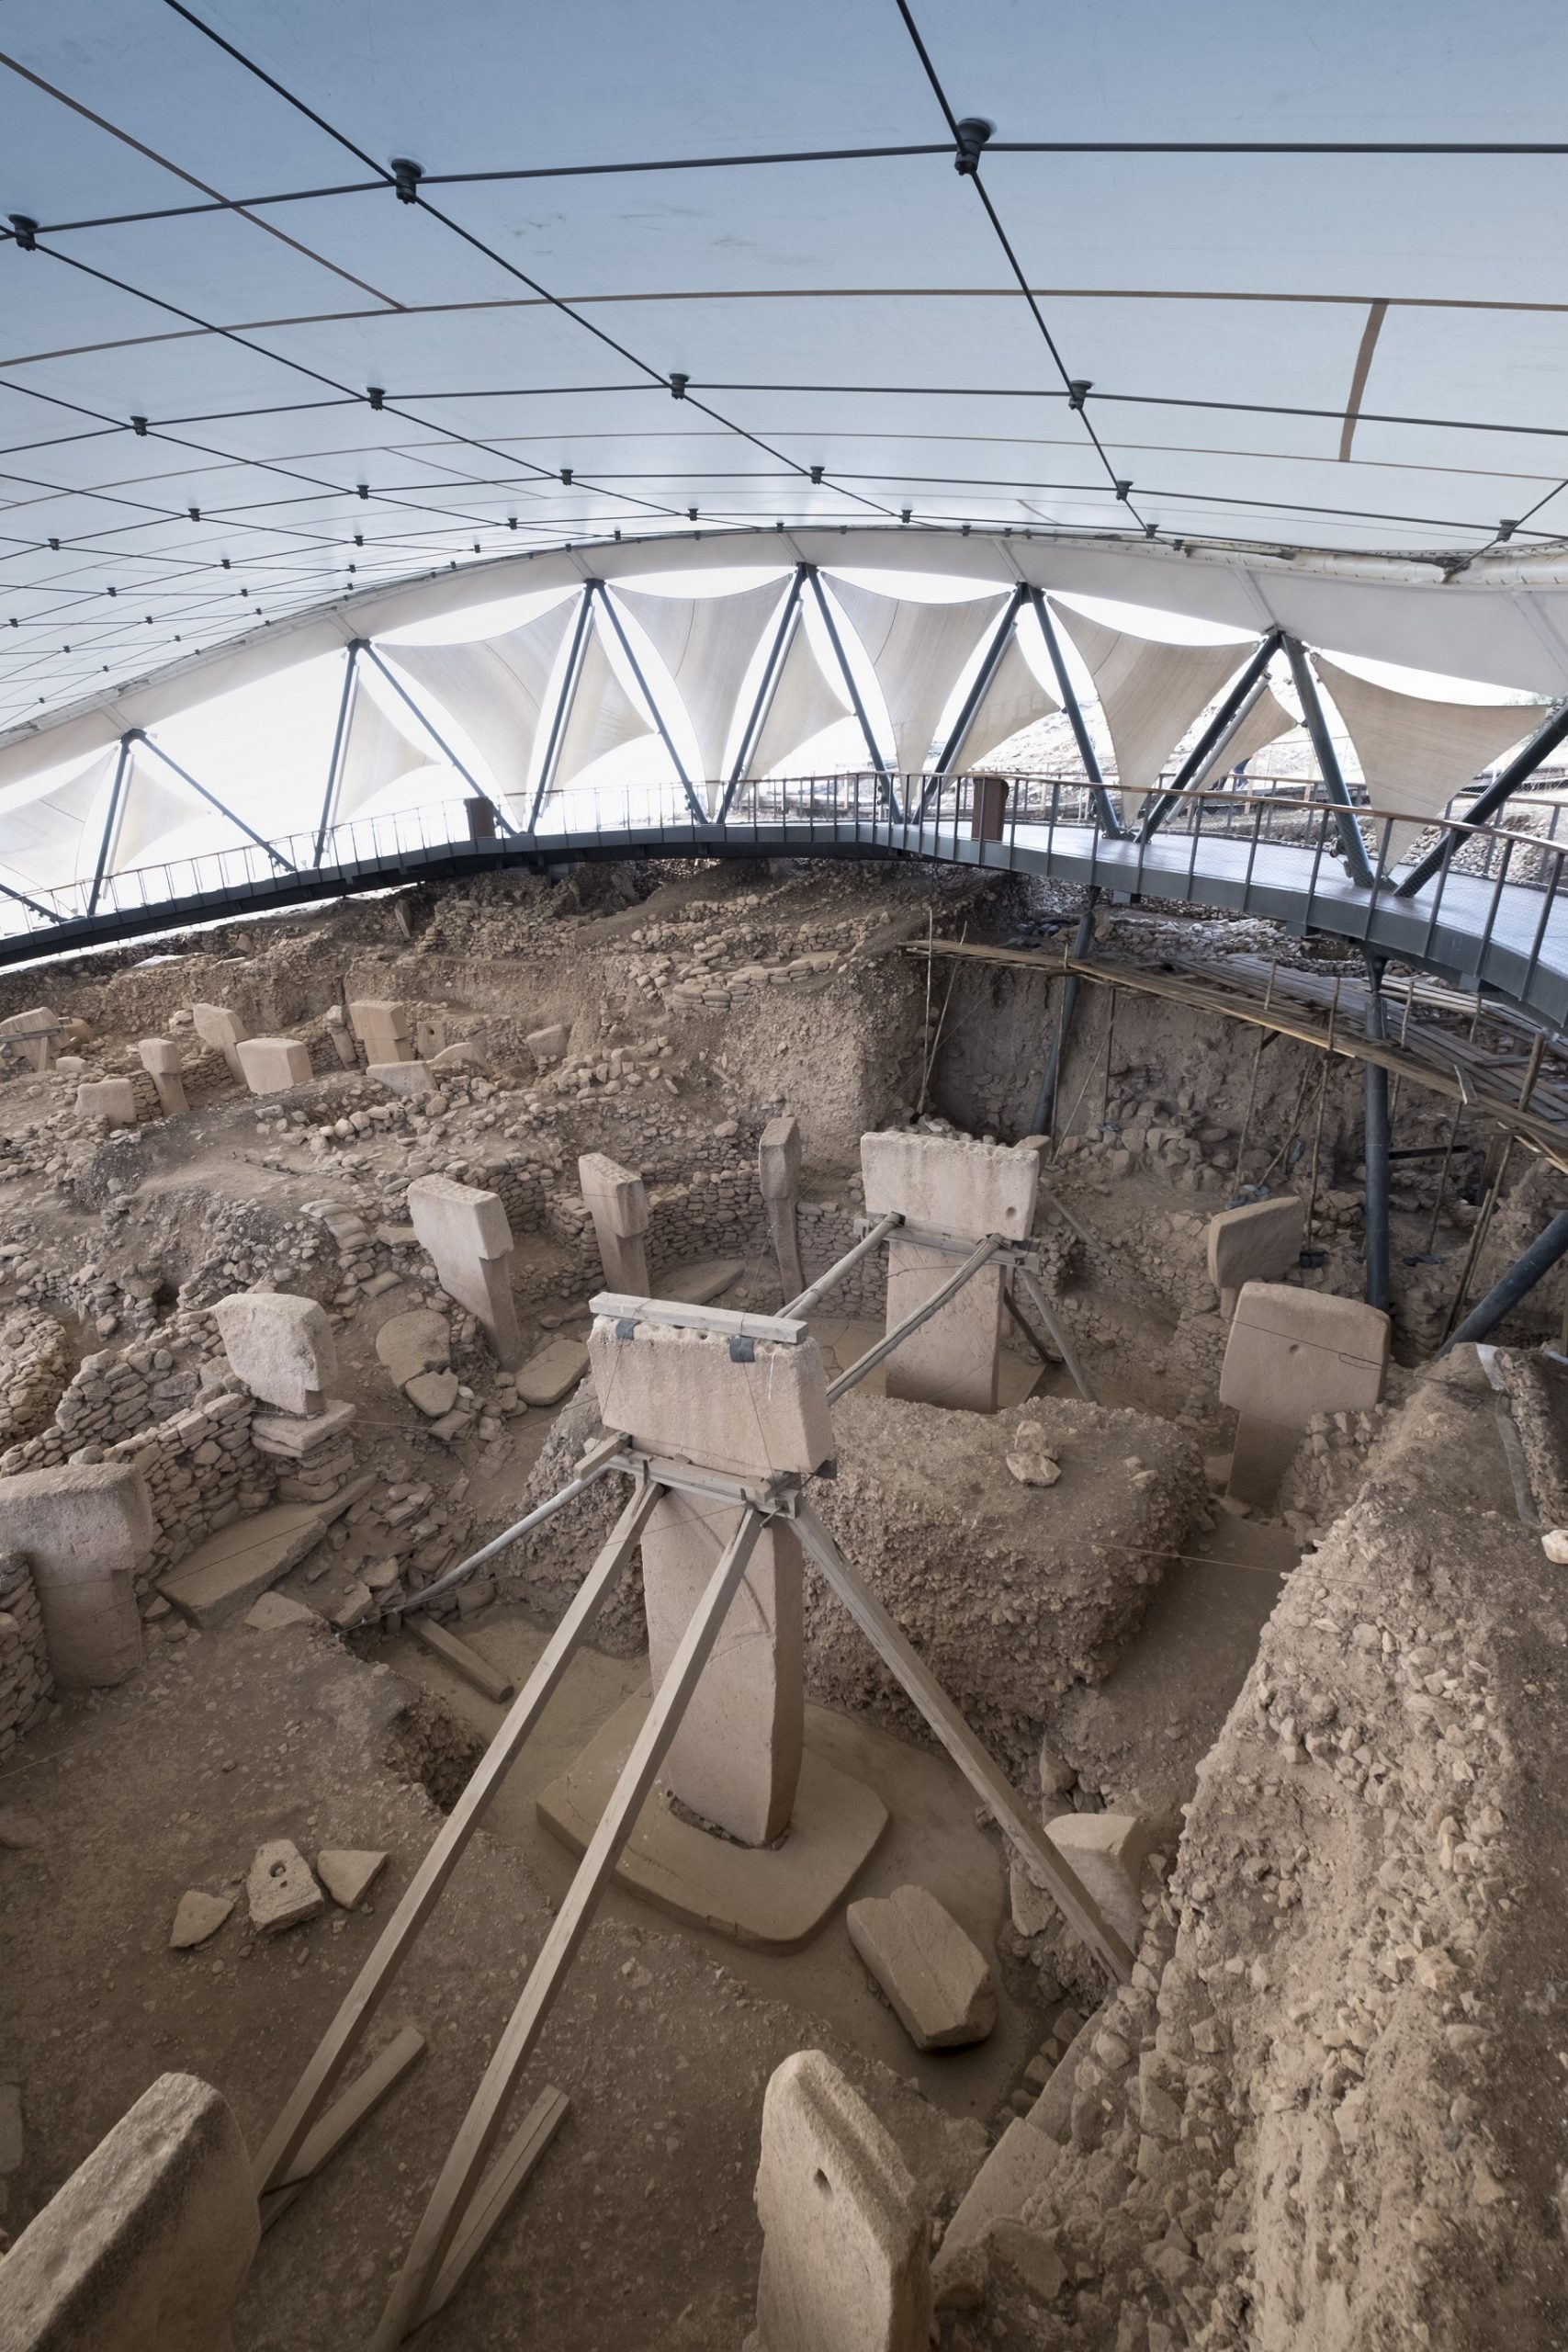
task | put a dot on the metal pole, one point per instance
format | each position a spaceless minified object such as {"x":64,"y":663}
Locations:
{"x":340,"y":736}
{"x":1522,"y":1276}
{"x":1376,"y":1147}
{"x":441,"y":744}
{"x":608,"y":601}
{"x":977,"y":692}
{"x":1034,"y":1291}
{"x":1478,"y":1232}
{"x":817,"y":1291}
{"x":1043,"y":1121}
{"x":901,"y":1331}
{"x":1328,"y":762}
{"x":787,"y":612}
{"x":563,"y":704}
{"x":1542,"y":743}
{"x":110,"y":821}
{"x":568,"y":1494}
{"x":877,"y":762}
{"x":1087,"y":753}
{"x":1249,"y":689}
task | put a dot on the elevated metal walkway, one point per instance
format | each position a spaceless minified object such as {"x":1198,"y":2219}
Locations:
{"x":1493,"y":916}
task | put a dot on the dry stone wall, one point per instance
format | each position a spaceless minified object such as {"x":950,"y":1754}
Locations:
{"x":25,"y":1683}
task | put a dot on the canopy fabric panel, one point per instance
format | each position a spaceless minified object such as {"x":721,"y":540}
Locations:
{"x":496,"y":689}
{"x":602,"y":716}
{"x":47,"y":841}
{"x":1265,"y":723}
{"x":1417,"y":754}
{"x":376,"y":755}
{"x":802,"y":703}
{"x":917,"y":651}
{"x":706,"y":643}
{"x":1149,"y":693}
{"x":1014,"y":699}
{"x":152,"y":805}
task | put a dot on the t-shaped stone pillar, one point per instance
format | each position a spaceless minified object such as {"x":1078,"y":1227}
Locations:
{"x":161,"y":1060}
{"x":113,"y":1099}
{"x":963,"y":1190}
{"x":618,"y":1205}
{"x":272,"y":1065}
{"x":35,"y":1032}
{"x":342,"y":1036}
{"x":736,"y":1758}
{"x":383,"y":1029}
{"x":1261,"y":1242}
{"x":467,"y":1233}
{"x":148,"y":2243}
{"x":778,"y":1172}
{"x":85,"y":1529}
{"x":1293,"y":1353}
{"x":223,"y":1030}
{"x":846,"y":2235}
{"x":281,"y":1346}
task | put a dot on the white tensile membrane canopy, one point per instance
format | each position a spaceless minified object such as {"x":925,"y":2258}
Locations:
{"x":805,"y":701}
{"x":1264,"y":722}
{"x":1014,"y":700}
{"x":497,"y":688}
{"x":47,"y":838}
{"x":918,"y":652}
{"x":707,"y":644}
{"x":1416,"y":754}
{"x":1150,"y":692}
{"x":375,"y":755}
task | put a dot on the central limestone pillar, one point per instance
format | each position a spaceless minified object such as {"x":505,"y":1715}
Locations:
{"x":957,"y":1191}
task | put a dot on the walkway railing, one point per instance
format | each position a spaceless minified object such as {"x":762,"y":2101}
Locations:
{"x":1493,"y":913}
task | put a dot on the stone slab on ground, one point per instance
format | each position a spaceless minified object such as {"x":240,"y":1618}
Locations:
{"x":775,"y":1897}
{"x":936,"y":1977}
{"x":1019,"y":2166}
{"x":553,"y":1372}
{"x":241,"y":1560}
{"x":198,"y":1916}
{"x":700,"y":1285}
{"x":432,"y":1392}
{"x":274,"y":1611}
{"x":419,"y":1342}
{"x":348,"y":1872}
{"x":281,"y":1888}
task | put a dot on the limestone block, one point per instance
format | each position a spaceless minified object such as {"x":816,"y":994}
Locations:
{"x":344,"y":1046}
{"x":113,"y":1099}
{"x":618,"y":1204}
{"x":1293,"y":1353}
{"x":778,"y":1159}
{"x":431,"y":1393}
{"x":464,"y":1055}
{"x":1107,"y":1850}
{"x":280,"y":1346}
{"x":465,"y":1232}
{"x":34,"y":1031}
{"x":846,"y":2262}
{"x":548,"y":1044}
{"x":410,"y":1344}
{"x":146,"y":2246}
{"x":348,"y":1873}
{"x":553,"y":1372}
{"x":293,"y":1438}
{"x":383,"y":1029}
{"x":403,"y":1077}
{"x":949,"y":1184}
{"x":1259,"y":1243}
{"x":735,"y":1758}
{"x":161,"y":1060}
{"x":682,"y":1392}
{"x":953,"y":1358}
{"x":85,"y":1529}
{"x":281,"y":1889}
{"x":221,"y":1029}
{"x":1019,"y":2169}
{"x":197,"y":1916}
{"x":272,"y":1065}
{"x":936,"y":1977}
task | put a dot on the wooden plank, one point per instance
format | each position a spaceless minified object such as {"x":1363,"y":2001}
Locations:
{"x":719,"y":1322}
{"x":471,"y":2152}
{"x":398,"y":1938}
{"x":485,"y":1677}
{"x":343,"y":2118}
{"x":1072,"y":1898}
{"x":498,"y":2189}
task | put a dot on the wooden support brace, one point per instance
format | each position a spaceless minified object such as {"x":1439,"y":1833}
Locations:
{"x":500,"y":2185}
{"x":343,"y":2118}
{"x":1072,"y":1898}
{"x":1034,"y":1292}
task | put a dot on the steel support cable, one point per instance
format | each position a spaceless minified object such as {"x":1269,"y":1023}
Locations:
{"x":556,"y":302}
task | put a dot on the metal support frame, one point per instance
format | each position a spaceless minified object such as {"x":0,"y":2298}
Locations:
{"x":981,"y":687}
{"x":1522,"y":1276}
{"x":836,"y":641}
{"x":340,"y":738}
{"x":1065,"y":688}
{"x":816,"y":1292}
{"x":1044,"y":1121}
{"x":788,"y":614}
{"x":1376,"y":1151}
{"x":111,"y":821}
{"x":48,"y":913}
{"x":1328,"y":760}
{"x":1034,"y":1291}
{"x":608,"y":601}
{"x":1552,"y":730}
{"x":436,"y":738}
{"x":978,"y":1256}
{"x":1249,"y":688}
{"x":139,"y":735}
{"x":563,"y":704}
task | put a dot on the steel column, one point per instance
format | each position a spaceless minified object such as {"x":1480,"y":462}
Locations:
{"x":1522,"y":1276}
{"x":340,"y":736}
{"x":1376,"y":1147}
{"x":1087,"y":753}
{"x":1044,"y":1117}
{"x":1328,"y":762}
{"x":563,"y":704}
{"x":770,"y":668}
{"x":110,"y":821}
{"x":608,"y":601}
{"x":1552,"y":730}
{"x":978,"y":692}
{"x":1249,"y":689}
{"x":877,"y":762}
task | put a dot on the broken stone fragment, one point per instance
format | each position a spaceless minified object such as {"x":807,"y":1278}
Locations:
{"x":1554,"y":1544}
{"x":281,"y":1891}
{"x":1107,"y":1851}
{"x":1035,"y":1469}
{"x":274,"y":1610}
{"x":549,"y":1376}
{"x":347,"y":1872}
{"x":1032,"y":2254}
{"x":199,"y":1915}
{"x":414,"y":1343}
{"x":935,"y":1976}
{"x":433,"y":1393}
